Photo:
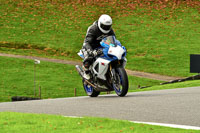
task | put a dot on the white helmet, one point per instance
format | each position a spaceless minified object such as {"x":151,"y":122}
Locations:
{"x":105,"y":23}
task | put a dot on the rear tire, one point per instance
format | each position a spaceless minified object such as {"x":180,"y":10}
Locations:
{"x":90,"y":90}
{"x":121,"y":88}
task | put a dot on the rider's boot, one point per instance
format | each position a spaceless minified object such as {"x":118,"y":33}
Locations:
{"x":86,"y":73}
{"x":86,"y":65}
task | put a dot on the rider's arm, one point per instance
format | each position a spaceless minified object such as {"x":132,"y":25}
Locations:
{"x":89,"y":39}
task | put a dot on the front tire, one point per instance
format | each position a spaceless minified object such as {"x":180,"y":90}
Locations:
{"x":121,"y":85}
{"x":90,"y":90}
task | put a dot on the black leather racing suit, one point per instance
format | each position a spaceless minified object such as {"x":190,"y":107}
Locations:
{"x":91,"y":42}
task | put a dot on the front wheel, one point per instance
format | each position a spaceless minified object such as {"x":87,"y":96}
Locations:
{"x":90,"y":90}
{"x":120,"y":83}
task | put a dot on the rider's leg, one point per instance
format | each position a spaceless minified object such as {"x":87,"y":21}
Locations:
{"x":86,"y":66}
{"x":87,"y":61}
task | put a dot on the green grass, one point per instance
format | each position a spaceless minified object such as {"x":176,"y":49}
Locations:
{"x":159,"y":37}
{"x":162,"y":46}
{"x":41,"y":123}
{"x":56,"y":80}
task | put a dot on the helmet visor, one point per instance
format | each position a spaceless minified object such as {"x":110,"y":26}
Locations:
{"x":105,"y":27}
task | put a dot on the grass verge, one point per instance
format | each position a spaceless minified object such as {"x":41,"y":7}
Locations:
{"x":56,"y":80}
{"x":192,"y":83}
{"x":42,"y":123}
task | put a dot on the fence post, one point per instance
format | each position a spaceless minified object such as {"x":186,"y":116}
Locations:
{"x":35,"y":63}
{"x":74,"y":91}
{"x":108,"y":92}
{"x":40,"y":92}
{"x":34,"y":79}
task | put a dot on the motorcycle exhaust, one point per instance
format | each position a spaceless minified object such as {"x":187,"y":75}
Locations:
{"x":80,"y":70}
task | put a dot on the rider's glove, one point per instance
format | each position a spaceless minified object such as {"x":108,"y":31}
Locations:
{"x":97,"y":52}
{"x":89,"y":52}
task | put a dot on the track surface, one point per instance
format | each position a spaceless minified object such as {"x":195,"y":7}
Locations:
{"x":174,"y":106}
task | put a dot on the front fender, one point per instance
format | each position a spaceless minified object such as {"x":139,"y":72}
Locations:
{"x":119,"y":63}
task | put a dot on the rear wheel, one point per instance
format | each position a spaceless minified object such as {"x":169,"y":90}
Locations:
{"x":90,"y":90}
{"x":120,"y":83}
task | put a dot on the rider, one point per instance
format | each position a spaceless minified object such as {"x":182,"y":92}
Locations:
{"x":99,"y":28}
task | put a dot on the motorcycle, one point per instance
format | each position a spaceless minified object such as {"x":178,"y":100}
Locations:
{"x":108,"y":70}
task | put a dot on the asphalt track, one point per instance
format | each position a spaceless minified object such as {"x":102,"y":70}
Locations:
{"x":174,"y":106}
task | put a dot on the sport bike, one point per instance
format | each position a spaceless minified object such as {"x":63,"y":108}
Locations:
{"x":107,"y":70}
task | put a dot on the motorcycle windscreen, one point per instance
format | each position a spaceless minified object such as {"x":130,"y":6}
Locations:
{"x":108,"y":41}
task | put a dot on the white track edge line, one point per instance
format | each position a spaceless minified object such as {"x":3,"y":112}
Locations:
{"x":73,"y":116}
{"x":168,"y":125}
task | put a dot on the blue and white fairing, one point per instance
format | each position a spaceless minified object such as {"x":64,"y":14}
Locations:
{"x":112,"y":50}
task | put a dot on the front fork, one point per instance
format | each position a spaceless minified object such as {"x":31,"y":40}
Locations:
{"x":114,"y":76}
